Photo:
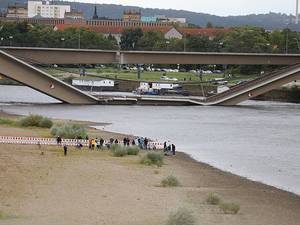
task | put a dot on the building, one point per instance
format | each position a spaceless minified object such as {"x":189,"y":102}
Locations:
{"x":149,"y":19}
{"x":43,"y":9}
{"x":173,"y":33}
{"x":74,"y":15}
{"x":95,"y":16}
{"x":132,"y":16}
{"x":94,"y":85}
{"x":17,"y":11}
{"x":116,"y":31}
{"x":211,"y":33}
{"x":165,"y":19}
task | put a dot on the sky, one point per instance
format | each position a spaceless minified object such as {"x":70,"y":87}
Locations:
{"x":215,"y":7}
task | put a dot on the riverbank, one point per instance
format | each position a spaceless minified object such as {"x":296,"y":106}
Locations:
{"x":96,"y":188}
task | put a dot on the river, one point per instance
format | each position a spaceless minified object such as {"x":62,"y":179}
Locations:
{"x":257,"y":140}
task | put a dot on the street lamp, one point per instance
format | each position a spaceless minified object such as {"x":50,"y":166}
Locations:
{"x":184,"y":42}
{"x":10,"y":40}
{"x":63,"y":42}
{"x":79,"y":41}
{"x":287,"y":39}
{"x":167,"y":43}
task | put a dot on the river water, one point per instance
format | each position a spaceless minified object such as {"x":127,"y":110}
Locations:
{"x":257,"y":140}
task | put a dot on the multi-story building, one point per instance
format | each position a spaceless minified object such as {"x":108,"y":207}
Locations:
{"x":75,"y":15}
{"x":132,"y":16}
{"x":46,"y":10}
{"x":17,"y":11}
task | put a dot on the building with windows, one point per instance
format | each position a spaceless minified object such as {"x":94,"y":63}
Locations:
{"x":17,"y":11}
{"x":132,"y":16}
{"x":43,"y":9}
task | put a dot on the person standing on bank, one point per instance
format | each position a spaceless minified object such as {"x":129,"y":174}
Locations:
{"x":173,"y":149}
{"x":65,"y":150}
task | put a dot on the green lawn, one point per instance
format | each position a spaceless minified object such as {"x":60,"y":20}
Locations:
{"x":114,"y":73}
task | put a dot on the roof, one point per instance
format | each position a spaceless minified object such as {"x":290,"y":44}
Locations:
{"x":112,"y":29}
{"x":163,"y":29}
{"x":203,"y":31}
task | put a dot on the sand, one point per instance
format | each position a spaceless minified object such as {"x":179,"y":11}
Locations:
{"x":94,"y":188}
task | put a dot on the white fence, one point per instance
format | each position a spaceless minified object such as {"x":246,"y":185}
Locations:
{"x":52,"y":141}
{"x":42,"y":141}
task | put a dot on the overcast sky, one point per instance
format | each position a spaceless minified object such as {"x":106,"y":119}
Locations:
{"x":216,"y":7}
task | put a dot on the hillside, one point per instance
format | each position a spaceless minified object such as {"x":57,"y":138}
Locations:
{"x":269,"y":21}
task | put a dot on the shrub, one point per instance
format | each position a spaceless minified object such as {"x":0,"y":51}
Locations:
{"x":4,"y":216}
{"x":213,"y":199}
{"x":156,"y":172}
{"x":230,"y":208}
{"x":30,"y":120}
{"x":152,"y":158}
{"x":118,"y":151}
{"x":45,"y":123}
{"x":170,"y":181}
{"x":134,"y":150}
{"x":68,"y":79}
{"x":6,"y":121}
{"x":68,"y":131}
{"x":181,"y":217}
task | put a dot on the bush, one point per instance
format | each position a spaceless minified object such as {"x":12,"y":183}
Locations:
{"x":213,"y":199}
{"x":170,"y":181}
{"x":181,"y":217}
{"x":45,"y":123}
{"x":230,"y":208}
{"x":152,"y":158}
{"x":6,"y":121}
{"x":133,"y":150}
{"x":30,"y":120}
{"x":118,"y":151}
{"x":4,"y":216}
{"x":68,"y":131}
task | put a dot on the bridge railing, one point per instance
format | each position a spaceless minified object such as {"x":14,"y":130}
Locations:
{"x":251,"y":83}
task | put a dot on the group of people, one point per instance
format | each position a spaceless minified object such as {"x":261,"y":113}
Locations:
{"x":100,"y":143}
{"x":169,"y":149}
{"x":143,"y":143}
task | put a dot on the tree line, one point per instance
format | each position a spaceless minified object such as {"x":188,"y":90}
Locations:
{"x":241,"y":39}
{"x":27,"y":35}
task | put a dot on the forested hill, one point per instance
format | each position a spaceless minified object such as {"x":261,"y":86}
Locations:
{"x":269,"y":21}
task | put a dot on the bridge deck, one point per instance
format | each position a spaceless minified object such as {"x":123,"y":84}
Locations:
{"x":22,"y":72}
{"x":13,"y":66}
{"x":91,"y":56}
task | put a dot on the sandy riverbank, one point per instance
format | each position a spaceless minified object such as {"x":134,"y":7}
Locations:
{"x":96,"y":188}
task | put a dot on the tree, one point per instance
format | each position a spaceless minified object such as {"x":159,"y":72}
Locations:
{"x":130,"y":38}
{"x":152,"y":41}
{"x":247,"y":39}
{"x":209,"y":25}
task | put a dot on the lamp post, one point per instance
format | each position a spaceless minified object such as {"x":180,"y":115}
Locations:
{"x":287,"y":39}
{"x":10,"y":40}
{"x":63,"y":42}
{"x":184,"y":42}
{"x":297,"y":14}
{"x":167,"y":43}
{"x":79,"y":44}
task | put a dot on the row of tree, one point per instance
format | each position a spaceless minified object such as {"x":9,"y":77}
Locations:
{"x":26,"y":35}
{"x":241,"y":39}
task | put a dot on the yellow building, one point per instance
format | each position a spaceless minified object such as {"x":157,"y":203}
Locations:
{"x":131,"y":16}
